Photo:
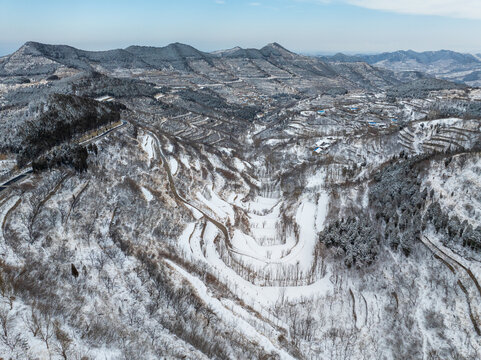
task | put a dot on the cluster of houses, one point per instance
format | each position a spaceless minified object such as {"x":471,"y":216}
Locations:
{"x":380,"y":124}
{"x":324,"y":144}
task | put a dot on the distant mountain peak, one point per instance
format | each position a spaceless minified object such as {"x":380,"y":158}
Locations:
{"x":182,"y":46}
{"x":276,"y":45}
{"x":175,"y":52}
{"x":41,"y":46}
{"x":33,"y":44}
{"x":400,"y":56}
{"x":30,"y":44}
{"x":275,"y":49}
{"x":31,"y":47}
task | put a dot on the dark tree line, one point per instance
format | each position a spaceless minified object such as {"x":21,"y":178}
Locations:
{"x":207,"y":100}
{"x":420,"y":89}
{"x":74,"y":156}
{"x":86,"y":83}
{"x":398,"y":214}
{"x":397,"y":202}
{"x":452,"y":229}
{"x":393,"y":219}
{"x":354,"y":239}
{"x":67,"y":118}
{"x":94,"y":84}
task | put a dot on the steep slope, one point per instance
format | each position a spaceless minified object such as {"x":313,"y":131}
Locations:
{"x":305,"y":66}
{"x":28,"y":61}
{"x":36,"y":59}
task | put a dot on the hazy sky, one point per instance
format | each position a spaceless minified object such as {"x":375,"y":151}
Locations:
{"x":300,"y":25}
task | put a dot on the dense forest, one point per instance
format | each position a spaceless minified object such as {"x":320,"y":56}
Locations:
{"x":66,"y":118}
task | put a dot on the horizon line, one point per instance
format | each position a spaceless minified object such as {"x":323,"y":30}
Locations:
{"x":299,"y":52}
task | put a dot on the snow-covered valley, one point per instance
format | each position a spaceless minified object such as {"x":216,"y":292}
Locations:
{"x":248,"y":207}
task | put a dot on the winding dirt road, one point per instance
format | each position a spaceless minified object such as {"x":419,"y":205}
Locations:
{"x":466,"y":281}
{"x":165,"y":163}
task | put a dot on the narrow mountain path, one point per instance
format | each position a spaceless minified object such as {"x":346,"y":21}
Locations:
{"x":200,"y":287}
{"x":467,"y":282}
{"x":7,"y":214}
{"x":354,"y":315}
{"x":166,"y":166}
{"x":282,"y":263}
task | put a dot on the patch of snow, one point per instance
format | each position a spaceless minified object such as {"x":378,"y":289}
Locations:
{"x":185,"y":161}
{"x":221,"y":208}
{"x":147,"y":194}
{"x":147,"y":144}
{"x":321,"y":210}
{"x":220,"y":310}
{"x":173,"y":165}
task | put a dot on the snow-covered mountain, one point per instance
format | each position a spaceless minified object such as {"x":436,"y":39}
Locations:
{"x":444,"y":64}
{"x":35,"y":59}
{"x":243,"y":204}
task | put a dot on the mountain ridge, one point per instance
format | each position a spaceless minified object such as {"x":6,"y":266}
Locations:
{"x":272,"y":60}
{"x":444,"y":64}
{"x":403,"y":55}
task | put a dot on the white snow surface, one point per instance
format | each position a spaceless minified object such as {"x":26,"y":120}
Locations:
{"x":147,"y":194}
{"x":173,"y":164}
{"x":230,"y":317}
{"x":147,"y":143}
{"x":220,"y":208}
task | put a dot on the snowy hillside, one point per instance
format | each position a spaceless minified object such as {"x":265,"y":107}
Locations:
{"x":179,"y":204}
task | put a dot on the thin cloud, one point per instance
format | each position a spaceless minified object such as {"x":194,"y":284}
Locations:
{"x":220,"y":2}
{"x":255,"y":4}
{"x":464,"y":9}
{"x":467,"y":9}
